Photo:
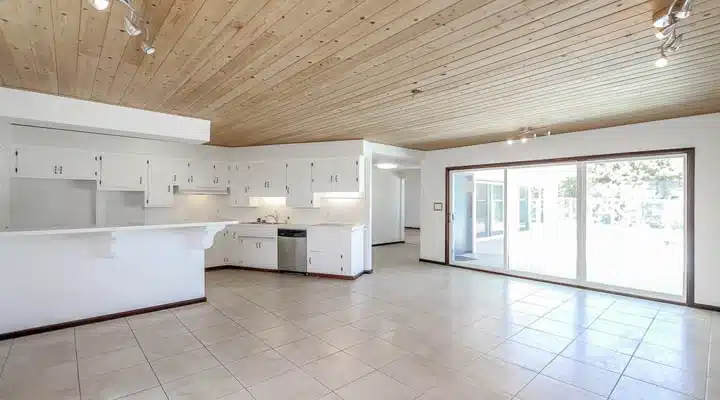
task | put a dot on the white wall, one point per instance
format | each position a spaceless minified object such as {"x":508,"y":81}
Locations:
{"x":701,"y":132}
{"x":40,"y":109}
{"x":412,"y":198}
{"x":387,"y":207}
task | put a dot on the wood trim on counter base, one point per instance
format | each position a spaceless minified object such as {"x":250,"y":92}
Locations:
{"x":388,"y":243}
{"x":412,"y":227}
{"x":101,"y":318}
{"x":223,"y":267}
{"x":317,"y":275}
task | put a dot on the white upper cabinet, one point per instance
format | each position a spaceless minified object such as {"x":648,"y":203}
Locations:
{"x":122,"y":172}
{"x":160,"y":175}
{"x":239,"y":183}
{"x":54,"y":163}
{"x":201,"y":175}
{"x":268,"y":179}
{"x":338,"y":175}
{"x":299,"y":184}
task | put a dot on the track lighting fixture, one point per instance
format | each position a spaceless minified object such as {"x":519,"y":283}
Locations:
{"x":132,"y":23}
{"x":667,"y":24}
{"x":100,"y":5}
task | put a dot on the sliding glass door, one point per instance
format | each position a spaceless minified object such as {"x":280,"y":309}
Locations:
{"x":542,"y":220}
{"x":614,"y":224}
{"x":636,"y":224}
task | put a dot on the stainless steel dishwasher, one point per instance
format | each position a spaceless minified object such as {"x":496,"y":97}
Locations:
{"x":292,"y":250}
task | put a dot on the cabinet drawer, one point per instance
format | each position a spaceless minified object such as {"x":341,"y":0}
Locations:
{"x":256,"y":231}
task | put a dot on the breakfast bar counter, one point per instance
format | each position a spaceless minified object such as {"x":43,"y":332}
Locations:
{"x":63,"y":277}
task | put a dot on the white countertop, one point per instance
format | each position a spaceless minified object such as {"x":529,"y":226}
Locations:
{"x":131,"y":227}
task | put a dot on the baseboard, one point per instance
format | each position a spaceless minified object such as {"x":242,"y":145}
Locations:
{"x":705,"y":307}
{"x":388,"y":243}
{"x":412,"y":227}
{"x":219,"y":267}
{"x":224,"y":267}
{"x":331,"y":276}
{"x":431,"y":261}
{"x":94,"y":320}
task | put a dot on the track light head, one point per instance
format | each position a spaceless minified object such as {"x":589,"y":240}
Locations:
{"x":100,"y":5}
{"x":685,"y":10}
{"x":147,"y":48}
{"x":666,"y":32}
{"x":661,"y":62}
{"x":131,"y":26}
{"x":663,"y":22}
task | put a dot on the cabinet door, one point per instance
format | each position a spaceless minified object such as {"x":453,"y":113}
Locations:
{"x":239,"y":185}
{"x":54,"y":163}
{"x":218,"y":175}
{"x":267,"y":255}
{"x":215,"y":255}
{"x":159,"y":192}
{"x":346,"y":174}
{"x":299,"y":184}
{"x":323,"y":179}
{"x":277,"y":179}
{"x":318,"y":262}
{"x":250,"y":248}
{"x":258,"y":180}
{"x":123,"y":172}
{"x":182,"y":173}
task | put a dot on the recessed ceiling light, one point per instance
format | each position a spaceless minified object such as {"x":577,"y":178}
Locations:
{"x":386,"y":165}
{"x":524,"y":140}
{"x":100,"y":4}
{"x":510,"y":141}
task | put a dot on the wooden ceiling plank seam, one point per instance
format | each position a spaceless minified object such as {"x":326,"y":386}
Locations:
{"x":111,"y":52}
{"x":440,"y":61}
{"x":317,"y":97}
{"x":154,"y":14}
{"x":17,"y":36}
{"x":285,"y":41}
{"x":66,"y":32}
{"x":412,"y":17}
{"x":515,"y":103}
{"x":165,"y":38}
{"x":229,"y":28}
{"x":8,"y":69}
{"x":197,"y":32}
{"x":409,"y":78}
{"x":695,"y":87}
{"x":598,"y":97}
{"x":93,"y":28}
{"x":283,"y":49}
{"x":213,"y":107}
{"x":230,"y":31}
{"x":263,"y":20}
{"x":540,"y":99}
{"x":327,"y":80}
{"x":507,"y":85}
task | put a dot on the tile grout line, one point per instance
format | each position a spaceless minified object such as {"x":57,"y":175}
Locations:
{"x":77,"y":361}
{"x":622,"y":374}
{"x":146,"y":359}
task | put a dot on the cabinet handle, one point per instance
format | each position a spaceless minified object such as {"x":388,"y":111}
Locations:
{"x":287,"y":189}
{"x":169,"y":188}
{"x":331,"y":178}
{"x":55,"y":169}
{"x":310,"y":260}
{"x":174,"y":177}
{"x":141,"y":180}
{"x":61,"y":169}
{"x":336,"y":179}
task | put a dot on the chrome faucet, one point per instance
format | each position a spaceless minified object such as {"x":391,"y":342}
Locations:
{"x":275,"y":216}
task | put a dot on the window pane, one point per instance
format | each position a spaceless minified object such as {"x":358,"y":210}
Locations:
{"x":542,"y":220}
{"x":635,"y":224}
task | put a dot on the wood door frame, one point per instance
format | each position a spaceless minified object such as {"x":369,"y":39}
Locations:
{"x":688,"y":152}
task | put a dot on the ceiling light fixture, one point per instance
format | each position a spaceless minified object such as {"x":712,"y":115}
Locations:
{"x":524,"y":139}
{"x":148,"y":48}
{"x":133,"y":22}
{"x":100,"y":5}
{"x":510,"y":141}
{"x":665,"y":33}
{"x":386,"y":165}
{"x":685,"y":10}
{"x":131,"y":26}
{"x":662,"y":61}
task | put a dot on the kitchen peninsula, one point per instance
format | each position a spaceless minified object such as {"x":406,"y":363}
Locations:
{"x":66,"y":276}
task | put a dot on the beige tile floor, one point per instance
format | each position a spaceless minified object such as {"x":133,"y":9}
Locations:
{"x":408,"y":331}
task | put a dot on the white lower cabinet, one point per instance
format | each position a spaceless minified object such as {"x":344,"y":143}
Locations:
{"x":335,"y":250}
{"x":257,"y":252}
{"x":218,"y":254}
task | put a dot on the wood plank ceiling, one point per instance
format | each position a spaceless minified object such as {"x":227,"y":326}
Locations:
{"x":424,"y":74}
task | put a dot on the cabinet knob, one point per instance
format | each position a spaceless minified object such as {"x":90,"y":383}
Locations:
{"x":310,"y":260}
